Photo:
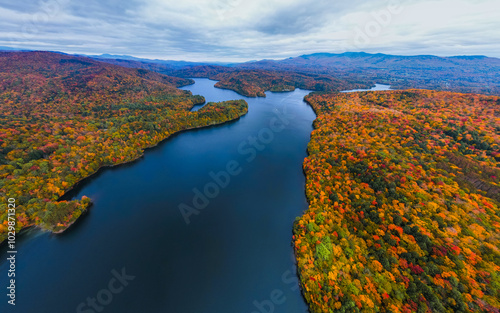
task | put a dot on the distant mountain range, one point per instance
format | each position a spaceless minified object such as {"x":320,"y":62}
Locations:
{"x":470,"y":74}
{"x":131,"y":59}
{"x":3,"y":48}
{"x":475,"y":74}
{"x":367,"y":60}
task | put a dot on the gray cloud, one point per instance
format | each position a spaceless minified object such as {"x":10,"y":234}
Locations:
{"x":298,"y":17}
{"x":237,"y":30}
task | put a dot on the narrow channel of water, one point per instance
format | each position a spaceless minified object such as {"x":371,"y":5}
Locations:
{"x":135,"y":252}
{"x":377,"y":87}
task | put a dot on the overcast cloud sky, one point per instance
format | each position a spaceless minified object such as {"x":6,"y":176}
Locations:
{"x":240,"y":30}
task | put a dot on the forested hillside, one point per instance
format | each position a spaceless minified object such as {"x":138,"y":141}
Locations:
{"x":345,"y":71}
{"x":471,"y":74}
{"x":404,"y":216}
{"x":63,"y":117}
{"x":254,"y":83}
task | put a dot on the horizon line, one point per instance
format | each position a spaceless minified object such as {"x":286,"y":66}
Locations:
{"x":139,"y":58}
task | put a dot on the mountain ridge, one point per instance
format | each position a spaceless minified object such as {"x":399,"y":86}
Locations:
{"x":461,"y":73}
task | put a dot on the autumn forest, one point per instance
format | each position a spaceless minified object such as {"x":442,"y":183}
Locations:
{"x":403,"y":186}
{"x":63,"y":118}
{"x":403,"y":189}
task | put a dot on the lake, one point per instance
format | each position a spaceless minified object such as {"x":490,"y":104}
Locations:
{"x":202,"y":223}
{"x":378,"y":87}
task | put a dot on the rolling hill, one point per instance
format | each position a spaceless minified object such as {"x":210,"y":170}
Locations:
{"x":62,"y":118}
{"x":467,"y":74}
{"x":471,"y":74}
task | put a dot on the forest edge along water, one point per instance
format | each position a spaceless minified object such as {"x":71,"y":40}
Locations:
{"x":234,"y":255}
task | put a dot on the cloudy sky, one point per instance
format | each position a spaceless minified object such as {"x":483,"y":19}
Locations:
{"x":240,"y":30}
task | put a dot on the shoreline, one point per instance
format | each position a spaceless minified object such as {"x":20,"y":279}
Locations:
{"x":23,"y":230}
{"x":249,"y":96}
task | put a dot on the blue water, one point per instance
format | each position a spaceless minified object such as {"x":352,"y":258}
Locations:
{"x":235,"y":255}
{"x":377,"y":87}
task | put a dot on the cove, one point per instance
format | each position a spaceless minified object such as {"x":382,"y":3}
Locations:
{"x":135,"y":251}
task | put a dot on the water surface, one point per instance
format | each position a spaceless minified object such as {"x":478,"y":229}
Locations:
{"x":377,"y":87}
{"x":234,"y":256}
